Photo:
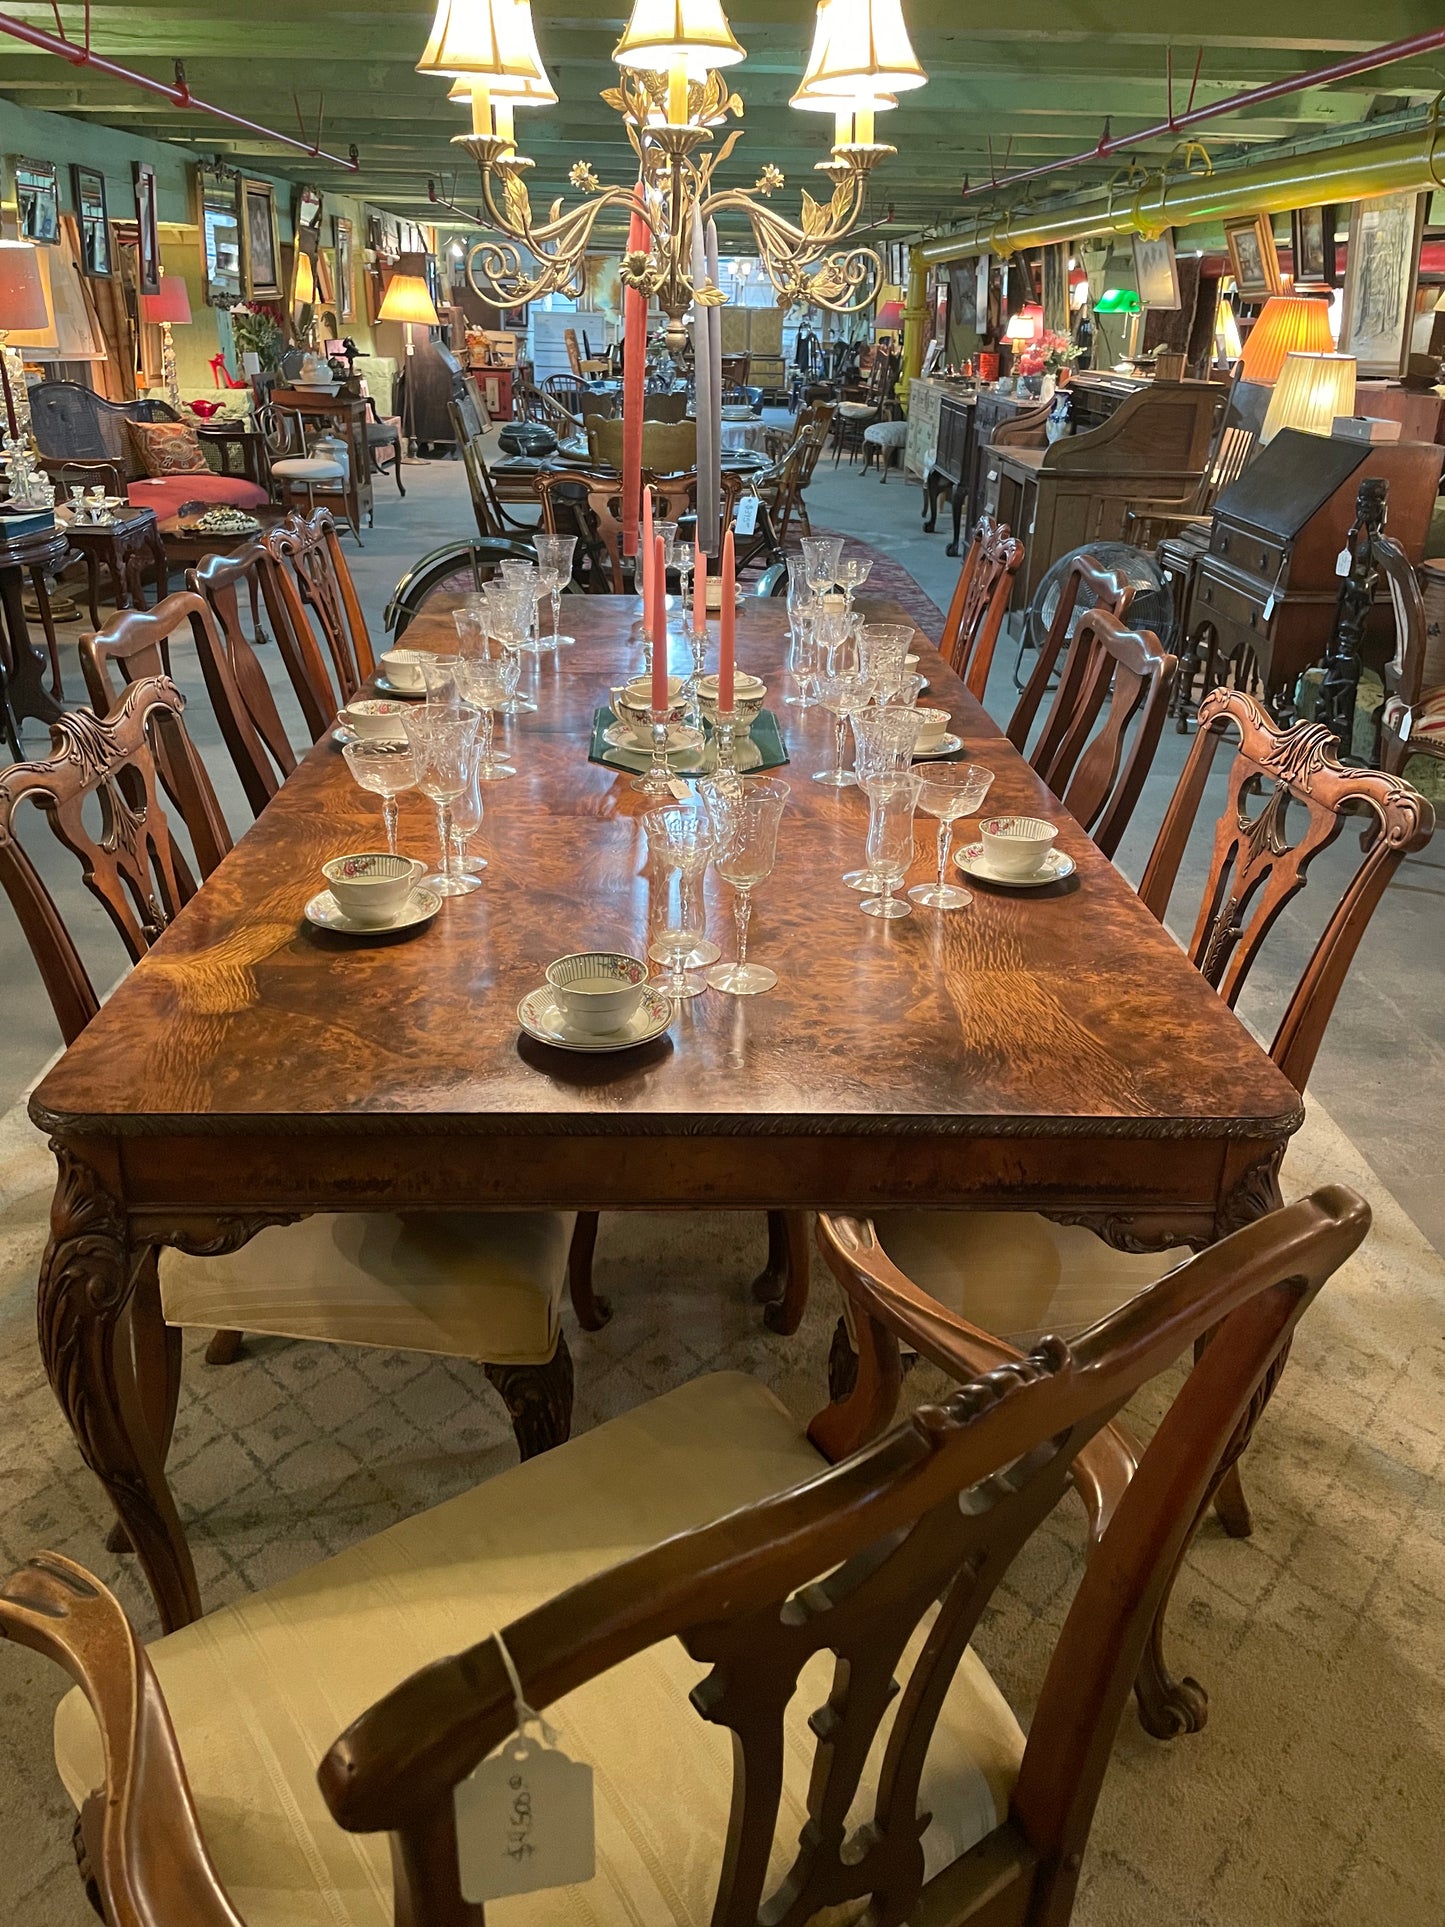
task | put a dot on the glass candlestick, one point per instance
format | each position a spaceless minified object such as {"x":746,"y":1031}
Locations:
{"x":656,"y":780}
{"x":725,"y":743}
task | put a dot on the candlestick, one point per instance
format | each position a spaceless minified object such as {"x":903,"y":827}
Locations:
{"x":726,"y":627}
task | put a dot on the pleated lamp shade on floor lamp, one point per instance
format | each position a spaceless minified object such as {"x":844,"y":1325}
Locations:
{"x":22,"y":309}
{"x":170,"y":307}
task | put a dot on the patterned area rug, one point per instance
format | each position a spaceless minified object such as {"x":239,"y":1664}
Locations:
{"x":1312,"y":1798}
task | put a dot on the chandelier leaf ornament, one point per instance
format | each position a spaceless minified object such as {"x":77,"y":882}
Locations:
{"x":675,"y":103}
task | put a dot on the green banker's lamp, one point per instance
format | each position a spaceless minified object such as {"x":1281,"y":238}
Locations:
{"x":1122,"y":301}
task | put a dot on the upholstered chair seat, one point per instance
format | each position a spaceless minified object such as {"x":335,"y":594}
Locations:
{"x":259,"y":1690}
{"x":308,"y":468}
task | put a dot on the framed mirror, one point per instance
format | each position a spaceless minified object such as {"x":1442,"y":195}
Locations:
{"x":93,"y":219}
{"x":218,"y":218}
{"x":37,"y":201}
{"x":341,"y":244}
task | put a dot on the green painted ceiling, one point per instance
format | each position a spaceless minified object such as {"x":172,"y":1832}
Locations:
{"x":1035,"y":82}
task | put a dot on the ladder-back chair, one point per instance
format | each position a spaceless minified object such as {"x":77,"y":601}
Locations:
{"x":221,"y":580}
{"x":767,"y":1663}
{"x":980,"y":603}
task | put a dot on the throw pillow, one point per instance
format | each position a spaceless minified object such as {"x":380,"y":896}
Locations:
{"x":166,"y":448}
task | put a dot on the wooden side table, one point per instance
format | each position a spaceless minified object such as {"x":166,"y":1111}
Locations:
{"x":128,"y":546}
{"x":22,"y":665}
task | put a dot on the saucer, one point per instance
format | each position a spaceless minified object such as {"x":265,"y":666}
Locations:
{"x":420,"y":907}
{"x":1056,"y":866}
{"x":541,"y":1017}
{"x":945,"y":746}
{"x":385,"y":687}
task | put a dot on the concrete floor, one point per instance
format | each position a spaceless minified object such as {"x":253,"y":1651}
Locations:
{"x":1381,"y":1070}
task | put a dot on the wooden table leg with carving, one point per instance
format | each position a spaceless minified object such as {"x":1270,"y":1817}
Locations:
{"x":782,"y":1284}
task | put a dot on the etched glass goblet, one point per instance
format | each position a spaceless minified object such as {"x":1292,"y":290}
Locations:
{"x":949,"y":791}
{"x":385,"y":769}
{"x":745,"y":819}
{"x":680,"y":842}
{"x":445,"y":742}
{"x":891,"y":801}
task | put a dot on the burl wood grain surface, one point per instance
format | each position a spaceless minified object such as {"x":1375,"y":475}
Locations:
{"x":1057,"y":1013}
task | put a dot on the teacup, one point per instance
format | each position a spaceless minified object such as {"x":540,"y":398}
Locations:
{"x":749,"y":695}
{"x":372,"y":887}
{"x":597,"y":990}
{"x":402,"y":669}
{"x":376,"y":719}
{"x":935,"y":728}
{"x":1016,"y":846}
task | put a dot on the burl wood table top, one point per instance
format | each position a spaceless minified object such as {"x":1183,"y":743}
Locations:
{"x":1067,"y":1012}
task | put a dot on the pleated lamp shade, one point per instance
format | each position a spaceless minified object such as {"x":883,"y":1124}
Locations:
{"x":860,"y":50}
{"x":661,"y":32}
{"x":408,"y":298}
{"x":171,"y":304}
{"x":1288,"y":324}
{"x":22,"y":292}
{"x":1310,"y":392}
{"x":490,"y":41}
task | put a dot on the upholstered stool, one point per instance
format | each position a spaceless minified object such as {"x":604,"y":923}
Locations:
{"x":883,"y":442}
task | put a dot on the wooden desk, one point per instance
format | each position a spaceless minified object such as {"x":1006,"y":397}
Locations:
{"x":1053,"y":1051}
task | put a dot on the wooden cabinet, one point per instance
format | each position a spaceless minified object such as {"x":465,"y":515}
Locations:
{"x":925,"y":398}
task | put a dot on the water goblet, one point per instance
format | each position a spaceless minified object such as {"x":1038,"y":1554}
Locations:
{"x":509,"y":615}
{"x":745,"y":819}
{"x":679,"y":842}
{"x":821,"y":554}
{"x":837,"y":641}
{"x":485,"y":684}
{"x":891,"y":801}
{"x":949,"y":791}
{"x":842,"y":697}
{"x":884,"y":742}
{"x":445,"y":741}
{"x":905,"y":692}
{"x":439,"y":676}
{"x":554,"y":560}
{"x":385,"y":769}
{"x":523,"y":584}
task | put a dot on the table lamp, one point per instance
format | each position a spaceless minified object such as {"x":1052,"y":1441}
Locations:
{"x":1122,"y":301}
{"x":171,"y":306}
{"x":1310,"y":392}
{"x":22,"y":307}
{"x":1288,"y":324}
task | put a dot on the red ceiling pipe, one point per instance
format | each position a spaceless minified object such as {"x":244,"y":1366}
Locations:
{"x":179,"y":95}
{"x":1420,"y":43}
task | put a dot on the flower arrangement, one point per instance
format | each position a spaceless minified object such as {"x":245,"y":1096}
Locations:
{"x":1059,"y":352}
{"x":258,"y":330}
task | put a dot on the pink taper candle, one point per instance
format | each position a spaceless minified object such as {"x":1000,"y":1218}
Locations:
{"x":659,"y":635}
{"x":726,"y":625}
{"x":644,"y":556}
{"x":699,"y":591}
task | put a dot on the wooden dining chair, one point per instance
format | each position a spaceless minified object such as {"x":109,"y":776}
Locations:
{"x":236,"y":588}
{"x":1088,"y":585}
{"x":492,"y":491}
{"x":482,"y":1286}
{"x":1411,"y":719}
{"x":767,"y":1663}
{"x":1095,"y":758}
{"x":1012,"y":1276}
{"x":316,"y":591}
{"x":980,"y":602}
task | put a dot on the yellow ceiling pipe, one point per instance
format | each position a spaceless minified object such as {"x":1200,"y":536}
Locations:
{"x":1386,"y":164}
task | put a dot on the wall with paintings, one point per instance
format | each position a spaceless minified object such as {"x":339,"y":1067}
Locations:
{"x":110,"y":152}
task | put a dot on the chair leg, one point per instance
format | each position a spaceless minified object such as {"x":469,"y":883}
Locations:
{"x":782,"y":1284}
{"x":538,"y":1399}
{"x":225,"y":1347}
{"x":396,"y":470}
{"x":592,"y":1312}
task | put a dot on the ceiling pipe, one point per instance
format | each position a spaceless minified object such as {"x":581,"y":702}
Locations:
{"x":1358,"y":170}
{"x":1363,"y":63}
{"x":178,"y":94}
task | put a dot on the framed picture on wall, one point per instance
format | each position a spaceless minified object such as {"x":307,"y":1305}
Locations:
{"x":1312,"y":243}
{"x":37,"y":201}
{"x":260,"y":243}
{"x":342,"y":239}
{"x":1253,"y":259}
{"x":93,"y":219}
{"x":1381,"y":269}
{"x":148,"y":266}
{"x":1156,"y":271}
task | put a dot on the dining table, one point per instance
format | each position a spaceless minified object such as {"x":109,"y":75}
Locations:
{"x":1046,"y":1050}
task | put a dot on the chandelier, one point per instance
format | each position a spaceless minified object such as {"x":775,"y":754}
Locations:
{"x":675,"y":106}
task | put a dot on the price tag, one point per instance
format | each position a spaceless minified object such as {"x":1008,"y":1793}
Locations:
{"x":524,"y":1823}
{"x":680,"y":789}
{"x":746,"y":519}
{"x":1342,"y":562}
{"x":1269,"y":606}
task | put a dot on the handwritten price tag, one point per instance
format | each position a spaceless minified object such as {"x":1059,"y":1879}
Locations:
{"x":525,"y":1822}
{"x":746,"y":519}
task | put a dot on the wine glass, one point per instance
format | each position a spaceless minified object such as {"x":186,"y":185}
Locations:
{"x":821,"y":554}
{"x":554,"y":563}
{"x":891,"y":801}
{"x":508,"y":619}
{"x":745,"y":821}
{"x":884,"y":742}
{"x":852,"y":574}
{"x":445,"y":742}
{"x":837,"y":640}
{"x":949,"y":791}
{"x":486,"y":682}
{"x":385,"y":769}
{"x":842,"y":697}
{"x":679,"y":843}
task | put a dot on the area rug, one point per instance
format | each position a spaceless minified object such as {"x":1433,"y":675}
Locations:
{"x":1312,"y":1798}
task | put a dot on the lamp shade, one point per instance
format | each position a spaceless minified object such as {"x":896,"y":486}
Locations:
{"x":1288,"y":324}
{"x":1117,"y":301}
{"x":408,"y":298}
{"x":860,"y":49}
{"x":492,"y":41}
{"x":1026,"y":325}
{"x":171,"y":304}
{"x":1310,"y":392}
{"x":662,"y":32}
{"x":530,"y":93}
{"x":22,"y":293}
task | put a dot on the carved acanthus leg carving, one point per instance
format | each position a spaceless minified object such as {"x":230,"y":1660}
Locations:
{"x":86,"y":1281}
{"x":782,"y":1284}
{"x":592,"y":1312}
{"x":538,"y":1399}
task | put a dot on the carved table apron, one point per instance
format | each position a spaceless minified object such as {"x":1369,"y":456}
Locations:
{"x":1047,"y":1051}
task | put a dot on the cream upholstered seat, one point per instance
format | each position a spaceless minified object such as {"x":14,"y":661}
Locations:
{"x":472,"y":1285}
{"x":259,"y":1690}
{"x":1016,"y":1274}
{"x":308,"y":468}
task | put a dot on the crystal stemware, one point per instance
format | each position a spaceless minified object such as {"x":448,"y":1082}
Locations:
{"x":842,"y":697}
{"x":802,"y":658}
{"x":439,"y":675}
{"x":745,"y":819}
{"x":445,"y":742}
{"x":884,"y":742}
{"x":554,"y":562}
{"x":680,"y":841}
{"x":949,"y":791}
{"x":851,"y":575}
{"x":891,"y":801}
{"x":466,"y":815}
{"x":821,"y":554}
{"x":486,"y":683}
{"x":385,"y":769}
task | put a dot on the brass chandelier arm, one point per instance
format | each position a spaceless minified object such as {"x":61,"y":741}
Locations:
{"x":804,"y":263}
{"x":557,"y":245}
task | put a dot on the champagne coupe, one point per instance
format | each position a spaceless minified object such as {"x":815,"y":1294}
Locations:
{"x":949,"y":791}
{"x":385,"y":769}
{"x":885,"y":740}
{"x":445,"y":742}
{"x":554,"y":560}
{"x":891,"y":801}
{"x":745,"y":819}
{"x":679,"y":845}
{"x":852,"y":574}
{"x":842,"y":697}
